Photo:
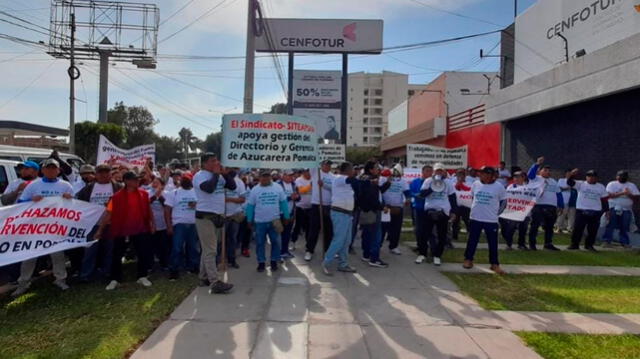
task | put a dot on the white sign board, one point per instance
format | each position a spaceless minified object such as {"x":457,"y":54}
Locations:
{"x":410,"y":173}
{"x":587,"y":24}
{"x":54,"y":224}
{"x":136,"y":157}
{"x":519,"y":203}
{"x":422,"y":155}
{"x":321,"y":35}
{"x":317,"y":95}
{"x":335,"y":153}
{"x":269,"y":141}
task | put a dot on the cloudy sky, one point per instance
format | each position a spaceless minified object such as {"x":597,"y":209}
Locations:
{"x":188,"y":92}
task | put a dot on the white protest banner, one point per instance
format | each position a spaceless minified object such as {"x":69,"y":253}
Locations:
{"x":410,"y":173}
{"x":269,"y":141}
{"x":54,"y":224}
{"x":422,"y":155}
{"x":135,"y":157}
{"x":335,"y":153}
{"x":317,"y":95}
{"x":464,"y":198}
{"x":519,"y":203}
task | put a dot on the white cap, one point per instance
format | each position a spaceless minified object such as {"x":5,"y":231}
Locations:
{"x":438,"y":166}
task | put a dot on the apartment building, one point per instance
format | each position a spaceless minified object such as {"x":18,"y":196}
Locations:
{"x":371,"y":97}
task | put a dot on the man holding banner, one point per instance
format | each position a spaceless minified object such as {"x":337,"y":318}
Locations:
{"x":520,"y":200}
{"x":47,"y":186}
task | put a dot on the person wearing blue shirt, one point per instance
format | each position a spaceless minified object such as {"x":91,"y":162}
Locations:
{"x":545,"y":212}
{"x":265,"y":204}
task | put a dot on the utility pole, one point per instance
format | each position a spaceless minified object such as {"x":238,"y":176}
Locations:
{"x":104,"y":86}
{"x":73,"y":75}
{"x":515,"y":9}
{"x":250,"y":58}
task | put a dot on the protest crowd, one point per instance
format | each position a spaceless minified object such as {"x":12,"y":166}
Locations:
{"x":172,"y":218}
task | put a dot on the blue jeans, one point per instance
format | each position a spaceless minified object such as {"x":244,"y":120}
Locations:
{"x":286,"y":236}
{"x":102,"y":247}
{"x":491,"y":231}
{"x":372,"y":240}
{"x":185,"y":236}
{"x":262,"y":230}
{"x":621,"y":222}
{"x":231,"y":232}
{"x":342,"y":229}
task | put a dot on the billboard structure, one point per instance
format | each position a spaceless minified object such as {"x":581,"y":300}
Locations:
{"x":317,"y":93}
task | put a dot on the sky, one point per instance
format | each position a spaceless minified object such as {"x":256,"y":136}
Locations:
{"x":192,"y":93}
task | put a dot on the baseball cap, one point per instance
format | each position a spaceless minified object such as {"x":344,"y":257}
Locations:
{"x":288,"y":172}
{"x":50,"y":162}
{"x":103,"y":168}
{"x":592,"y":173}
{"x":264,"y":173}
{"x":87,"y":169}
{"x":187,"y":175}
{"x":130,"y":175}
{"x":438,"y":166}
{"x":327,"y":162}
{"x":29,"y":164}
{"x":622,"y":173}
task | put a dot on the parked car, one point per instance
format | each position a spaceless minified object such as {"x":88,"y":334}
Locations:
{"x":8,"y":173}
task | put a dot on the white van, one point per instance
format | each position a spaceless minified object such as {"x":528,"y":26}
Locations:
{"x":8,"y":173}
{"x":21,"y":154}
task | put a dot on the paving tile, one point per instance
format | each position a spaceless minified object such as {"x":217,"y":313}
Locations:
{"x":289,"y":304}
{"x":188,"y":339}
{"x":433,"y":342}
{"x":501,"y":344}
{"x":281,"y":340}
{"x":244,"y":303}
{"x":336,"y":341}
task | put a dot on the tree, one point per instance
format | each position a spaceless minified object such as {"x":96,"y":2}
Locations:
{"x":213,"y":143}
{"x":279,"y":108}
{"x":187,"y":141}
{"x":167,"y":148}
{"x":137,"y":122}
{"x":88,"y":135}
{"x":360,"y":155}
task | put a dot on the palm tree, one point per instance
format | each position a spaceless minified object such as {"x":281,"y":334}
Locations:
{"x":187,"y":141}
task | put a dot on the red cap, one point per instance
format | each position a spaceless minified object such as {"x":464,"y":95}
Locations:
{"x":188,"y":176}
{"x":386,"y":173}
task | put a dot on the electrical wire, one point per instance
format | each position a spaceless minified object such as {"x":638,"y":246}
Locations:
{"x":205,"y":14}
{"x":27,"y":87}
{"x":433,"y":7}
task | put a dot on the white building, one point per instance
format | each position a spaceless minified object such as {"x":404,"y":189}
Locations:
{"x":371,"y":97}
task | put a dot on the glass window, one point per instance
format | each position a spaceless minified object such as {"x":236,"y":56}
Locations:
{"x":378,"y":92}
{"x":11,"y":158}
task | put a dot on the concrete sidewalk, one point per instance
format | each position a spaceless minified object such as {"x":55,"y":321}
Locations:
{"x":543,"y":269}
{"x":404,"y":311}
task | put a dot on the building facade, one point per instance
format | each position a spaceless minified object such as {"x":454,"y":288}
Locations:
{"x":371,"y":97}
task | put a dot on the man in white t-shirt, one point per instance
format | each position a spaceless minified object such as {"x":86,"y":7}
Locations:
{"x":394,"y":199}
{"x":503,"y":174}
{"x":303,"y":207}
{"x":87,"y":175}
{"x":291,"y":192}
{"x":210,"y":184}
{"x":567,"y":215}
{"x":343,"y":204}
{"x":265,"y":204}
{"x":235,"y":216}
{"x":440,"y":205}
{"x":622,"y":194}
{"x":98,"y":192}
{"x":545,"y":212}
{"x":592,"y":200}
{"x":28,"y":172}
{"x":50,"y":185}
{"x":320,"y":211}
{"x":487,"y":194}
{"x":180,"y":216}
